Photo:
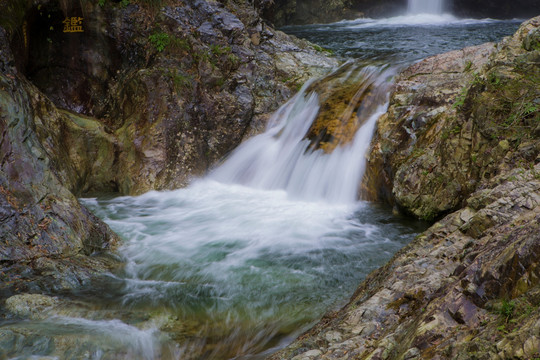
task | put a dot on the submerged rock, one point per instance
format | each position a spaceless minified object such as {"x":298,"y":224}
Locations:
{"x":347,"y":98}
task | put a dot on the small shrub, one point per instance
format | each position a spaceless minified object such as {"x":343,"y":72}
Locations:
{"x":160,"y":40}
{"x":507,"y":309}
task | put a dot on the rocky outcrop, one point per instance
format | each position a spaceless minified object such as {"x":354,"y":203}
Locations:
{"x":43,"y":229}
{"x":466,"y":288}
{"x":495,"y":9}
{"x":299,"y":12}
{"x":455,"y":120}
{"x":461,"y":136}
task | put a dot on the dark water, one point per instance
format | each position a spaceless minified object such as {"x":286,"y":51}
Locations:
{"x":404,"y":39}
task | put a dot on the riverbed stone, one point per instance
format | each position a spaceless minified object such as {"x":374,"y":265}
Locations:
{"x":31,"y":306}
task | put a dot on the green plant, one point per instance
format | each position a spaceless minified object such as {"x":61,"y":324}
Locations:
{"x":101,"y":3}
{"x":180,"y":81}
{"x":507,"y":309}
{"x":321,"y":49}
{"x":460,"y":99}
{"x":233,"y":59}
{"x":124,"y":3}
{"x":494,"y":79}
{"x":219,"y":50}
{"x":456,"y":130}
{"x":160,"y":40}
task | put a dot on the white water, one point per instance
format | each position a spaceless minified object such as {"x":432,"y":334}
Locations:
{"x":280,"y":158}
{"x":415,"y":7}
{"x":410,"y":20}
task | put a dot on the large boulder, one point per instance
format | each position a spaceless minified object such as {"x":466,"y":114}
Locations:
{"x":43,"y":228}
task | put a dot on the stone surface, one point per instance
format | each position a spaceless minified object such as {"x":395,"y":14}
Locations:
{"x":39,"y":217}
{"x":453,"y":121}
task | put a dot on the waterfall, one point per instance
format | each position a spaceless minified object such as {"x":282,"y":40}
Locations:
{"x":287,"y":157}
{"x":425,"y":7}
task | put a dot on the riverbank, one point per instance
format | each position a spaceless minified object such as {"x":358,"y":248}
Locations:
{"x":457,"y":144}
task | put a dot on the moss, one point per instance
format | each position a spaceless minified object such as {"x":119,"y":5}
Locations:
{"x":504,"y":107}
{"x":160,"y":40}
{"x":413,"y":300}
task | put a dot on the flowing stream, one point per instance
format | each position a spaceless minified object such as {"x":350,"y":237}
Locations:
{"x":242,"y":261}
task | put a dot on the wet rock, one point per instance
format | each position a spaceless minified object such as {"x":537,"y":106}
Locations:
{"x":347,"y":98}
{"x":31,"y":306}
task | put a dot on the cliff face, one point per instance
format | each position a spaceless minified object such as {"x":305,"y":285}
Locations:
{"x":165,"y":91}
{"x":140,"y":98}
{"x":496,"y":9}
{"x":461,"y":136}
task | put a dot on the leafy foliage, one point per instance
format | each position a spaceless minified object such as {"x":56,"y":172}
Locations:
{"x":160,"y":40}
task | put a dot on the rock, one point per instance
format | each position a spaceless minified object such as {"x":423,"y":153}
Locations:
{"x":429,"y":167}
{"x":308,"y":355}
{"x":41,"y":217}
{"x":347,"y":98}
{"x":32,"y":306}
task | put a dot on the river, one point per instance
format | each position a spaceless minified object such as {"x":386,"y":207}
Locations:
{"x":242,"y":261}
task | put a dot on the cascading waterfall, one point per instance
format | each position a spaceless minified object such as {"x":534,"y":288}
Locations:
{"x":261,"y":244}
{"x":282,"y":157}
{"x":238,"y":264}
{"x":425,"y":7}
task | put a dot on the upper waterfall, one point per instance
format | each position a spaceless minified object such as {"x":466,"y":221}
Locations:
{"x":425,"y":6}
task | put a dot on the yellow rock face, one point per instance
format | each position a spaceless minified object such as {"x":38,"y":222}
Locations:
{"x":345,"y":97}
